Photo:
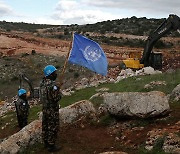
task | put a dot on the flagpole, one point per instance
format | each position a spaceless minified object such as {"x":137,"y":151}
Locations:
{"x":65,"y":63}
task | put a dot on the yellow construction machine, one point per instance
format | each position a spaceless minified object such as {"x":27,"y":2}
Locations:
{"x":133,"y":61}
{"x":149,"y":58}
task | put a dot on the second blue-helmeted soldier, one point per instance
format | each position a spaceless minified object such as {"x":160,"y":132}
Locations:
{"x":22,"y":108}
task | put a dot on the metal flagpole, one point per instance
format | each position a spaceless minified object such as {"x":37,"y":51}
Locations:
{"x":65,"y":63}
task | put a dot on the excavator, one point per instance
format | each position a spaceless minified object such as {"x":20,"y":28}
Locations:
{"x":150,"y":58}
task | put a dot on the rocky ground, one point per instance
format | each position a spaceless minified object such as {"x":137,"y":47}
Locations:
{"x":103,"y":134}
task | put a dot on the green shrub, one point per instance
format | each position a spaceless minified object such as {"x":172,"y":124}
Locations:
{"x":106,"y":120}
{"x":97,"y":101}
{"x":76,"y":75}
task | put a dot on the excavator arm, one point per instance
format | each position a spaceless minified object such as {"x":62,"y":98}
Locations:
{"x":172,"y":23}
{"x":26,"y":79}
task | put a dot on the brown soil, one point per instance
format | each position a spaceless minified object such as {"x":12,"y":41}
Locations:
{"x":89,"y":139}
{"x":85,"y":138}
{"x":9,"y":130}
{"x":17,"y":43}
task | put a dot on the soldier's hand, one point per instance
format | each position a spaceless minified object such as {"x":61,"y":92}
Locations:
{"x":28,"y":94}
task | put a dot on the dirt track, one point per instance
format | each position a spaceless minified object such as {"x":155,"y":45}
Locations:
{"x":12,"y":44}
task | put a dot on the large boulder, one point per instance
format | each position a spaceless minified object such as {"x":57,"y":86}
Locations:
{"x":176,"y":93}
{"x":76,"y":111}
{"x":26,"y":136}
{"x":137,"y":104}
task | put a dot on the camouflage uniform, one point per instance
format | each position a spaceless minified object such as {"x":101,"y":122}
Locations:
{"x":22,"y":110}
{"x":50,"y":95}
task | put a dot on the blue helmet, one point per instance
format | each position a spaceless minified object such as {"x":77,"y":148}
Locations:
{"x":21,"y":92}
{"x":49,"y":69}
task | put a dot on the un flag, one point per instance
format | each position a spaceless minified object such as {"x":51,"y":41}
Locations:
{"x":89,"y":54}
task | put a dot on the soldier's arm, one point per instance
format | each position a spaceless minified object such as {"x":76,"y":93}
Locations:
{"x":54,"y":93}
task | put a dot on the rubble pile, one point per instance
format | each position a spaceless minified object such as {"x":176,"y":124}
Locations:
{"x":171,"y":140}
{"x":5,"y":107}
{"x":129,"y":73}
{"x":124,"y":131}
{"x":154,"y":83}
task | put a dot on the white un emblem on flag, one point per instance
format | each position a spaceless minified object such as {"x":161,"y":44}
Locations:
{"x":92,"y":53}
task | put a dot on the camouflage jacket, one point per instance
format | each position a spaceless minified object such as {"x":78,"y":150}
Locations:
{"x":22,"y":107}
{"x":49,"y":96}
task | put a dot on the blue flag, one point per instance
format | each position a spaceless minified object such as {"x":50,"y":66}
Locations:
{"x":89,"y":54}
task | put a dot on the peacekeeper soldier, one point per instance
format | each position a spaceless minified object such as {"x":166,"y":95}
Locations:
{"x":50,"y":96}
{"x":22,"y":108}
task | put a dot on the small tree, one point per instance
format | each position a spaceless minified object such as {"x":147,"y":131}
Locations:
{"x":66,"y":31}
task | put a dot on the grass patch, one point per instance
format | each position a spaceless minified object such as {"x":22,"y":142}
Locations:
{"x":33,"y":113}
{"x":8,"y":124}
{"x":144,"y":151}
{"x":10,"y":117}
{"x":142,"y":122}
{"x":97,"y":101}
{"x":36,"y":148}
{"x":133,"y":85}
{"x":106,"y":120}
{"x":83,"y":94}
{"x":175,"y":104}
{"x":178,"y":134}
{"x":158,"y":145}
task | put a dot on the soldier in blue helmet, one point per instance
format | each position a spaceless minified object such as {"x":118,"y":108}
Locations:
{"x":22,"y":108}
{"x":50,"y":96}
